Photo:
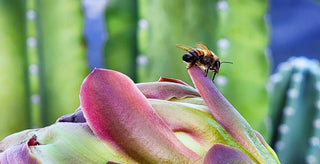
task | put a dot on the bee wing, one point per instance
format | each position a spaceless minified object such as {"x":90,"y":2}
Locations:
{"x":186,"y":48}
{"x":204,"y":48}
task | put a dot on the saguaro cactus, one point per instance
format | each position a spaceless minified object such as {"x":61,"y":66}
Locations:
{"x":295,"y":111}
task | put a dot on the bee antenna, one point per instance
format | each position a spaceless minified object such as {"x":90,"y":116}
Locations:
{"x":227,"y":62}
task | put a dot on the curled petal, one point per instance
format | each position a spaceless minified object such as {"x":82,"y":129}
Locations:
{"x":228,"y":116}
{"x":166,"y":90}
{"x":120,"y":114}
{"x":76,"y":117}
{"x":222,"y":154}
{"x":165,"y":79}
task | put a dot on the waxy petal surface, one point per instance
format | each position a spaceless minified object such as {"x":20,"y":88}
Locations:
{"x":72,"y":143}
{"x":222,"y":154}
{"x":120,"y":114}
{"x":229,"y":117}
{"x":199,"y":125}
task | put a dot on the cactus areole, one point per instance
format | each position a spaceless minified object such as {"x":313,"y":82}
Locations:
{"x":167,"y":121}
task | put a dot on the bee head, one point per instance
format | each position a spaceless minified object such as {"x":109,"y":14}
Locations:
{"x":216,"y":66}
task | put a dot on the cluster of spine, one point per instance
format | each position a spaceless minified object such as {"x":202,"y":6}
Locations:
{"x":295,"y":111}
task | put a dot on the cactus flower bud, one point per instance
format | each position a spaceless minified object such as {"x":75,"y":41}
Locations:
{"x":167,"y":121}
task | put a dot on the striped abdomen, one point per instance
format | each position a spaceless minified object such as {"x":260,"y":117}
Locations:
{"x":192,"y":55}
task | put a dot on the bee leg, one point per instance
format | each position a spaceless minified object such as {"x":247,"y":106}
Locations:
{"x":206,"y":71}
{"x":214,"y":75}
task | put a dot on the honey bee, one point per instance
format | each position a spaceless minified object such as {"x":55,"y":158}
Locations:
{"x":202,"y":56}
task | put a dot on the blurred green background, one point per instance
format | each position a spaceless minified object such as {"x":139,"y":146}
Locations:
{"x":47,"y":49}
{"x":44,"y":62}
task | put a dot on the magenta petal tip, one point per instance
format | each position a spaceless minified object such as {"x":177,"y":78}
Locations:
{"x":222,"y":154}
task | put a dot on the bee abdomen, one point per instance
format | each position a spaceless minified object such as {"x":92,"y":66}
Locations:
{"x":188,"y":58}
{"x":195,"y":52}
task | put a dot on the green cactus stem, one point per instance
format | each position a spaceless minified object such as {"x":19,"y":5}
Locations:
{"x":61,"y":55}
{"x":42,"y":61}
{"x":294,"y":93}
{"x":33,"y":64}
{"x":121,"y":46}
{"x":14,"y":110}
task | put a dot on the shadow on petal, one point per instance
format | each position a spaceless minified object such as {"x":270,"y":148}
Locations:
{"x":76,"y":117}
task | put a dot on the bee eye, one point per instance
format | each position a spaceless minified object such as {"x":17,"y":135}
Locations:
{"x":217,"y":63}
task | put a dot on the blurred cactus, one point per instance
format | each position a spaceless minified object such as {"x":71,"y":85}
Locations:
{"x":295,"y":111}
{"x":42,"y":58}
{"x":62,"y":56}
{"x":14,"y":109}
{"x":121,"y":48}
{"x":243,"y":38}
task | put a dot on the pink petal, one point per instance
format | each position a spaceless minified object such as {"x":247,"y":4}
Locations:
{"x":166,"y":90}
{"x":17,"y":154}
{"x":222,"y":154}
{"x":120,"y":114}
{"x":227,"y":115}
